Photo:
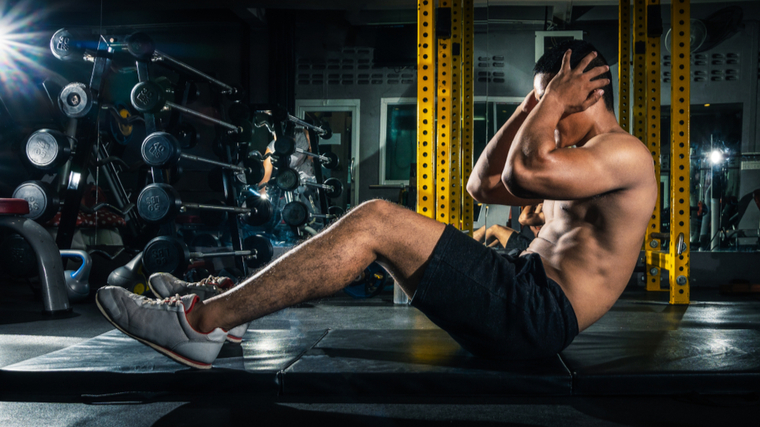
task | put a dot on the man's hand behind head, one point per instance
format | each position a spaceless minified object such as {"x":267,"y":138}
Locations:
{"x":575,"y":90}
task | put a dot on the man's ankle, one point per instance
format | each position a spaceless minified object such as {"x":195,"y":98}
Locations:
{"x":195,"y":318}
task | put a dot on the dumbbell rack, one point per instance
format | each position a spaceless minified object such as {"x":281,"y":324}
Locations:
{"x":76,"y":171}
{"x":230,"y":192}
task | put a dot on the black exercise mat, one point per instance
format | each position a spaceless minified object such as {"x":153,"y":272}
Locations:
{"x":114,"y":364}
{"x":415,"y":362}
{"x":682,"y":361}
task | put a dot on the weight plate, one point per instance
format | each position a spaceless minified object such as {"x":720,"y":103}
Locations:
{"x":263,"y":249}
{"x":255,"y":168}
{"x":65,"y":46}
{"x":47,"y":149}
{"x":287,"y":179}
{"x":160,"y":149}
{"x":295,"y":214}
{"x":147,"y":97}
{"x":75,"y":100}
{"x":328,"y":131}
{"x":337,"y":188}
{"x":164,"y":254}
{"x":43,"y":204}
{"x":140,"y":45}
{"x":158,"y":203}
{"x":333,"y":162}
{"x":285,"y":146}
{"x":263,"y":211}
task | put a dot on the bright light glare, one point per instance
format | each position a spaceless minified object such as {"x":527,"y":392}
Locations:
{"x":21,"y":47}
{"x":716,"y":157}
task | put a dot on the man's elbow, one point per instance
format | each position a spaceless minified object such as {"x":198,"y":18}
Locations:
{"x":476,"y":190}
{"x":513,"y":182}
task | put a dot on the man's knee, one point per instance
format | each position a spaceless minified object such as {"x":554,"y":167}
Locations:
{"x":373,"y":210}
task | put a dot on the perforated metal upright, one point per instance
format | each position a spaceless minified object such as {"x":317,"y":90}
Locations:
{"x":443,"y":176}
{"x":624,"y":64}
{"x":455,"y":149}
{"x":680,"y":171}
{"x":425,"y":108}
{"x":676,"y":258}
{"x":467,"y":97}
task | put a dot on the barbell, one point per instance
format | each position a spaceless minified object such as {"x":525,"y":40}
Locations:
{"x":296,"y":214}
{"x":286,"y":146}
{"x":67,"y":46}
{"x":159,"y":203}
{"x":171,"y":255}
{"x":288,"y":180}
{"x":150,"y":97}
{"x":161,"y":150}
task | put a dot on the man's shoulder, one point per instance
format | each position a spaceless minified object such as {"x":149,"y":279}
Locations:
{"x":623,"y":143}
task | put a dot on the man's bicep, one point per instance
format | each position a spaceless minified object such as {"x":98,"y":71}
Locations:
{"x":576,"y":173}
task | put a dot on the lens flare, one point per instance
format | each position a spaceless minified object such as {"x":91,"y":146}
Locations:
{"x":22,"y":45}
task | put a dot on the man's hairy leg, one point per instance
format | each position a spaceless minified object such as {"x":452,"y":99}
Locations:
{"x":498,"y":234}
{"x":400,"y":240}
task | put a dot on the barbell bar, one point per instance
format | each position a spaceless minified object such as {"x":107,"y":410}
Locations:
{"x":159,"y":203}
{"x":171,"y":255}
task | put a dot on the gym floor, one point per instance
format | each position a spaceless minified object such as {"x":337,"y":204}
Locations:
{"x":370,"y":362}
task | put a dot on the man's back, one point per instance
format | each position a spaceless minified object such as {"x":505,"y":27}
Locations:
{"x":590,"y":246}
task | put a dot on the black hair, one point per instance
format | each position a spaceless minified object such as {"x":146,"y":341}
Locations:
{"x":551,"y":62}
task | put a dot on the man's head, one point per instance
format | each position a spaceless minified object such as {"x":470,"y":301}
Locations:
{"x":574,"y":127}
{"x":550,"y":63}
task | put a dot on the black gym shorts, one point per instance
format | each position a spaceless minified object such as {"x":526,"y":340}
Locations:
{"x":518,"y":241}
{"x":494,"y":306}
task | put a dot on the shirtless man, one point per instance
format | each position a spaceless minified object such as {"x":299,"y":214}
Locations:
{"x":531,"y":218}
{"x":598,"y":199}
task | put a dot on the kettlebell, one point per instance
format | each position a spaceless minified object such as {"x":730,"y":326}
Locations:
{"x":130,"y":276}
{"x":77,"y":285}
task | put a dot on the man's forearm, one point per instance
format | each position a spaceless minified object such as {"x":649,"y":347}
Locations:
{"x":535,"y":139}
{"x":486,"y":175}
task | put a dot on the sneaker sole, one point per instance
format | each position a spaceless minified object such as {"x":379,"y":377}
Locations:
{"x":174,"y":356}
{"x":233,"y":339}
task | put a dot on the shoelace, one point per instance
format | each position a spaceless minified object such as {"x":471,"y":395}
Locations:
{"x":216,"y":282}
{"x":169,"y":301}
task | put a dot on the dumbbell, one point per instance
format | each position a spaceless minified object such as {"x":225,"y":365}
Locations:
{"x":288,"y":180}
{"x":67,"y":46}
{"x":161,"y":149}
{"x":296,"y":214}
{"x":150,"y":97}
{"x":159,"y":203}
{"x":171,"y":255}
{"x":323,"y":131}
{"x":47,"y":149}
{"x":43,"y":202}
{"x":286,"y":146}
{"x":75,"y":100}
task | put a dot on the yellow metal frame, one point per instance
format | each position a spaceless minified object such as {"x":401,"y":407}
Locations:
{"x":443,"y":129}
{"x":651,"y":137}
{"x":467,"y":102}
{"x":680,"y":171}
{"x":425,"y":108}
{"x":455,"y":189}
{"x":676,"y":258}
{"x":624,"y":64}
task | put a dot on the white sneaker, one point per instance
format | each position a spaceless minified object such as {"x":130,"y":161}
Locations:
{"x":165,"y":285}
{"x":161,"y":324}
